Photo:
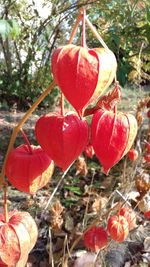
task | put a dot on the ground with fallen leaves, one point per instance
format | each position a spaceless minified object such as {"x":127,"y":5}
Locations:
{"x":85,"y":196}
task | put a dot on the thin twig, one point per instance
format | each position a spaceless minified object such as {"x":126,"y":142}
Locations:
{"x":27,"y":141}
{"x":94,"y":31}
{"x":125,"y":199}
{"x":51,"y":259}
{"x":83,"y":27}
{"x":56,"y":188}
{"x":124,"y":170}
{"x":87,"y":205}
{"x":74,"y":30}
{"x":5,"y":205}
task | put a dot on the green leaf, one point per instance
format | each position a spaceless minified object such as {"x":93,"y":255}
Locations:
{"x":5,"y":28}
{"x":15,"y":29}
{"x":73,"y":189}
{"x":148,"y":14}
{"x":9,"y":28}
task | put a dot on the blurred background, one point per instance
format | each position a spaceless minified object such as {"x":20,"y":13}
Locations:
{"x":31,"y":29}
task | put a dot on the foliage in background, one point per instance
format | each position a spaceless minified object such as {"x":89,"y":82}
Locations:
{"x":30,"y":30}
{"x":125,"y":27}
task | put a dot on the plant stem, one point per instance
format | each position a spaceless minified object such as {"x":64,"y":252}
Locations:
{"x":115,"y":109}
{"x":56,"y":188}
{"x":20,"y":124}
{"x":74,"y":30}
{"x":94,"y":31}
{"x":83,"y":28}
{"x":27,"y":141}
{"x":88,"y":201}
{"x":6,"y":217}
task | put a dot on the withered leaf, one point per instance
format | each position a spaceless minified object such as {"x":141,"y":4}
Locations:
{"x":107,"y":101}
{"x":81,"y":166}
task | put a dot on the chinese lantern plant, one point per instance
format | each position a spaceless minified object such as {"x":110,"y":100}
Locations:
{"x":18,"y":236}
{"x":112,"y":133}
{"x":147,"y":146}
{"x":89,"y":151}
{"x":147,"y":158}
{"x":147,"y":214}
{"x":118,"y":228}
{"x":133,"y":154}
{"x":82,"y":73}
{"x":147,"y":152}
{"x":148,"y":114}
{"x":62,"y":137}
{"x":95,"y":238}
{"x":28,"y":168}
{"x":130,"y":216}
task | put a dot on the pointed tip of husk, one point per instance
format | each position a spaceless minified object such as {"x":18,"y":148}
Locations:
{"x":105,"y":170}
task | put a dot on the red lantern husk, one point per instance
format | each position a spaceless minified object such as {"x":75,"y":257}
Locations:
{"x":118,"y":228}
{"x":147,"y":214}
{"x":17,"y":237}
{"x":112,"y":136}
{"x":62,"y":137}
{"x":147,"y":157}
{"x":95,"y":238}
{"x":82,"y":73}
{"x":89,"y":151}
{"x":133,"y":154}
{"x":28,"y":171}
{"x":107,"y":71}
{"x":130,"y":216}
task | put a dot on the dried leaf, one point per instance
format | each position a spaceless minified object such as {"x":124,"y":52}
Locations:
{"x":142,"y":186}
{"x":139,"y":118}
{"x":99,"y":203}
{"x":57,"y":209}
{"x":107,"y":101}
{"x":144,"y":204}
{"x":69,"y":222}
{"x":81,"y":166}
{"x":147,"y":244}
{"x":56,"y":216}
{"x":143,"y":103}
